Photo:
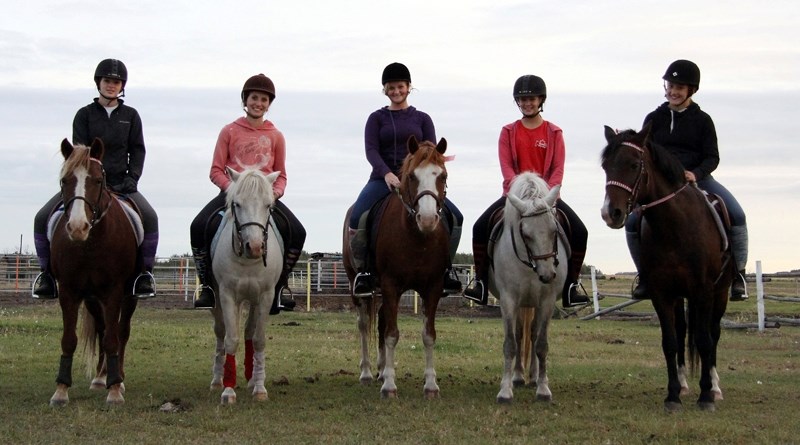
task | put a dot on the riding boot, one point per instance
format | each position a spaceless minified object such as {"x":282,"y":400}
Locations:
{"x":479,"y":291}
{"x":738,"y":239}
{"x":569,"y":295}
{"x":44,"y":286}
{"x":206,"y":298}
{"x":145,"y":284}
{"x":279,"y":303}
{"x":635,"y":247}
{"x":362,"y":284}
{"x":452,"y":285}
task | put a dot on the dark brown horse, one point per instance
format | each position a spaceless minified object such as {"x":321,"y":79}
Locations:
{"x":684,"y":253}
{"x":94,"y":262}
{"x":411,"y":253}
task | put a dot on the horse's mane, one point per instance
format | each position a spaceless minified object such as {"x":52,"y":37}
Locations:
{"x":252,"y":182}
{"x":79,"y":158}
{"x":529,"y":186}
{"x":426,"y":153}
{"x":663,"y":160}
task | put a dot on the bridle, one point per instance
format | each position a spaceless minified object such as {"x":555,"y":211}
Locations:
{"x":236,"y":234}
{"x":531,"y":261}
{"x":97,"y":213}
{"x":411,"y":208}
{"x":634,"y":191}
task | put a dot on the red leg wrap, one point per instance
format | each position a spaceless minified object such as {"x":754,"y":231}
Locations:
{"x":229,"y":376}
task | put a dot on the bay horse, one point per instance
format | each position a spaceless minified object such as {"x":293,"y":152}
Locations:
{"x":684,"y":254}
{"x":94,"y":263}
{"x":530,"y":260}
{"x":411,"y":253}
{"x":246,"y":264}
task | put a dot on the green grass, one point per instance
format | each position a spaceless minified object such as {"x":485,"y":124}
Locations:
{"x":607,"y":379}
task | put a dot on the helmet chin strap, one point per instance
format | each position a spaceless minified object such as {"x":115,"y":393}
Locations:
{"x":111,"y":99}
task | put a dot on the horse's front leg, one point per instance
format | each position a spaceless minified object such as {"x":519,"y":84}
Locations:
{"x":510,"y":349}
{"x":69,"y":342}
{"x":111,"y":346}
{"x":430,"y":389}
{"x":391,"y":335}
{"x":669,"y":346}
{"x":257,"y":346}
{"x":541,"y":345}
{"x":365,"y":321}
{"x":219,"y":349}
{"x":230,"y":315}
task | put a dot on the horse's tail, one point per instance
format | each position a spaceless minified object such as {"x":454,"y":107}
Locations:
{"x":88,"y":340}
{"x":525,"y":320}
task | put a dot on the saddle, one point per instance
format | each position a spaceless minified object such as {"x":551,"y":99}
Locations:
{"x":496,"y":227}
{"x":719,"y":211}
{"x":130,"y":208}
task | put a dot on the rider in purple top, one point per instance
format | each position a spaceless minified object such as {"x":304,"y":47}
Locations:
{"x":385,"y":137}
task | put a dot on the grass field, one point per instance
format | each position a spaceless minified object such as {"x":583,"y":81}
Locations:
{"x":607,"y":379}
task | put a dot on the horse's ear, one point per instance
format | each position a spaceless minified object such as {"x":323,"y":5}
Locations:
{"x":519,"y":204}
{"x":273,"y":176}
{"x":646,"y":130}
{"x":442,"y":145}
{"x":552,"y":195}
{"x":97,"y":149}
{"x":412,"y":143}
{"x":610,"y":133}
{"x":66,"y":148}
{"x":234,"y":175}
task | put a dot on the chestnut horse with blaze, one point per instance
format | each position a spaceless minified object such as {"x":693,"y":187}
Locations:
{"x":410,"y":253}
{"x":94,"y":263}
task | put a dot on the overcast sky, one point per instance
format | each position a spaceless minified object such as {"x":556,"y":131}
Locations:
{"x":602,"y":62}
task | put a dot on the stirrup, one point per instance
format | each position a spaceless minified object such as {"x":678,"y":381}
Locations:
{"x":573,"y":298}
{"x":451,"y":275}
{"x":361,"y":285}
{"x":147,"y":293}
{"x":207,"y":290}
{"x":290,"y":303}
{"x":483,"y":298}
{"x":44,"y":295}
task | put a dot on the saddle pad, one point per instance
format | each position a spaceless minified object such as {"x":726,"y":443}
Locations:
{"x":133,"y":218}
{"x":218,"y":234}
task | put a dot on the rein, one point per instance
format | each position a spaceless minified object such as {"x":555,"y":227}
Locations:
{"x":97,"y":214}
{"x":531,"y":257}
{"x":236,"y":235}
{"x":634,"y":191}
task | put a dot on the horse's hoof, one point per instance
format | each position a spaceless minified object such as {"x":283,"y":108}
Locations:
{"x":260,"y":397}
{"x":114,"y":400}
{"x":685,"y":391}
{"x":504,"y":400}
{"x":672,"y":407}
{"x":215,"y":386}
{"x":518,"y":383}
{"x":58,"y":403}
{"x":389,"y":394}
{"x":707,"y":406}
{"x":544,"y":398}
{"x":98,"y":384}
{"x":717,"y":395}
{"x":431,"y":394}
{"x":228,"y":397}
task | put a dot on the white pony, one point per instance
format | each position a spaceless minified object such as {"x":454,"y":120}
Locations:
{"x":246,"y":264}
{"x":529,"y":270}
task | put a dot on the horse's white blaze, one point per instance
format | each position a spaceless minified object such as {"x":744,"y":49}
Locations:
{"x":78,"y":223}
{"x":427,"y":210}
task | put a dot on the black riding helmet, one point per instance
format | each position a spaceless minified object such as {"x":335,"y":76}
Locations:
{"x":395,"y":72}
{"x":530,"y":85}
{"x":261,"y":83}
{"x":112,"y":69}
{"x":683,"y":72}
